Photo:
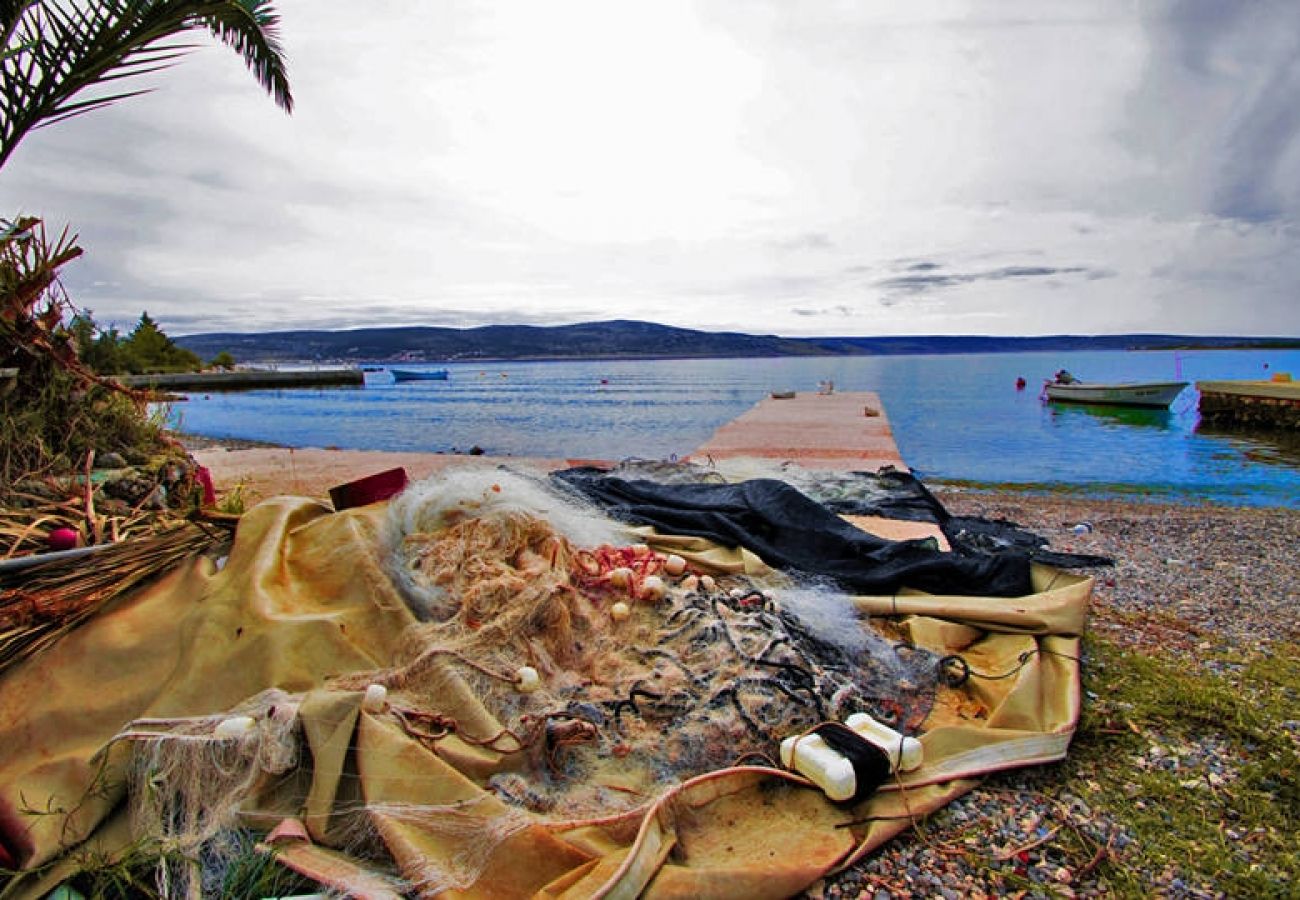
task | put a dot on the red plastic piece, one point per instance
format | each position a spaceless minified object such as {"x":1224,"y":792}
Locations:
{"x":371,"y":489}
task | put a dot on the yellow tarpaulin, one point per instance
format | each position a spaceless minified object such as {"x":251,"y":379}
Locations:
{"x":307,"y":597}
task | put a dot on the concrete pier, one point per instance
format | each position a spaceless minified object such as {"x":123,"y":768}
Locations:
{"x":247,"y":380}
{"x":839,"y":431}
{"x":1251,"y":404}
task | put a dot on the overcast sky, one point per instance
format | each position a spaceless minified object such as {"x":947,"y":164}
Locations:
{"x":802,"y":168}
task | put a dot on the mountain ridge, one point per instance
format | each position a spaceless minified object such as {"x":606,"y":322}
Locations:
{"x":624,"y":338}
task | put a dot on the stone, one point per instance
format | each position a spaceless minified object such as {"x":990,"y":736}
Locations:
{"x":110,"y":460}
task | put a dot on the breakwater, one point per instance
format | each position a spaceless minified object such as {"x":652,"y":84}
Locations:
{"x":247,"y":380}
{"x":1251,"y":404}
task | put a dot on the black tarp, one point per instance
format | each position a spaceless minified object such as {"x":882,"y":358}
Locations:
{"x":901,"y":495}
{"x":789,"y":530}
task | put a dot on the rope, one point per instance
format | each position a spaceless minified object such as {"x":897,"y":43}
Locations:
{"x":964,"y":673}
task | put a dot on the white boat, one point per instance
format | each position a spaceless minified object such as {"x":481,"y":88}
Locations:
{"x":1155,"y":394}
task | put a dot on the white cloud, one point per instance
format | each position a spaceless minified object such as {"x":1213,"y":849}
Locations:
{"x":752,"y":166}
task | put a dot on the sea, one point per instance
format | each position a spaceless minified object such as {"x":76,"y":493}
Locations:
{"x":956,"y":418}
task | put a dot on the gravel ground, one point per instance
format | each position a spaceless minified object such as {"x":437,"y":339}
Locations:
{"x":1187,"y":580}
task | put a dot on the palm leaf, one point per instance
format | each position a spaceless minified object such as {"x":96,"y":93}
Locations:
{"x":54,"y":50}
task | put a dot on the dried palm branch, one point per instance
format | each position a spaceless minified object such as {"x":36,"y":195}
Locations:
{"x":42,"y":603}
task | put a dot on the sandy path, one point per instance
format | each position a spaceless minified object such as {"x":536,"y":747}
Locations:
{"x":310,"y":472}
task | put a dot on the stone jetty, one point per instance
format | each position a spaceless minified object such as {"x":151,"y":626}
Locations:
{"x":1251,"y":404}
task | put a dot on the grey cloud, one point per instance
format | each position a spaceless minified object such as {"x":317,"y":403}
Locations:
{"x":1237,"y":65}
{"x":917,"y":284}
{"x":840,"y":310}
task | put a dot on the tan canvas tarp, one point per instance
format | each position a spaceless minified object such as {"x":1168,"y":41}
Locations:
{"x":305,"y":597}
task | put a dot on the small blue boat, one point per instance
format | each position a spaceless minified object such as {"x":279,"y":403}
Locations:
{"x":411,"y":375}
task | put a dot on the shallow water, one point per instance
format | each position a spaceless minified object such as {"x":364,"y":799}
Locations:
{"x":954,"y":417}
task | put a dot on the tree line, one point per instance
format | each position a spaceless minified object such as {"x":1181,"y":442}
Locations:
{"x":145,"y":349}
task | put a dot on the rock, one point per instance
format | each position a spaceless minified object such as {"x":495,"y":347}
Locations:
{"x":131,"y":488}
{"x":110,"y":460}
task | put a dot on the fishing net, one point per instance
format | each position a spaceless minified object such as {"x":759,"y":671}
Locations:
{"x":189,"y":778}
{"x":648,"y":673}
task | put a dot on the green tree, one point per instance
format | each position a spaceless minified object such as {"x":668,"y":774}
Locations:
{"x":148,"y":349}
{"x":54,"y":50}
{"x":222,"y":360}
{"x":99,"y":348}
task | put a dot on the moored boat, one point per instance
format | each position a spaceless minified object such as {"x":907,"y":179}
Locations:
{"x":1154,"y":394}
{"x":413,"y":375}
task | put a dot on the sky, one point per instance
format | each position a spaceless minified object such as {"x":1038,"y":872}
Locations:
{"x":840,"y":167}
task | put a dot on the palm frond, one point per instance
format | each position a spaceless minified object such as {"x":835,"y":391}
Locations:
{"x":252,"y":29}
{"x":53,"y":50}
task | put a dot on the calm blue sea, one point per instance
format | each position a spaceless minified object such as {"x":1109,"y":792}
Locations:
{"x":954,"y":417}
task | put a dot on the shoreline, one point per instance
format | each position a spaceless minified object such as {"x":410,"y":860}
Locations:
{"x":351,"y":458}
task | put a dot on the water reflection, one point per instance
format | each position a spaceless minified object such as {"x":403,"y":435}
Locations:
{"x":1129,"y":416}
{"x":1270,"y":447}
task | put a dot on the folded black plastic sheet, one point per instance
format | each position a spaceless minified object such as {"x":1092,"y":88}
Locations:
{"x":789,"y":530}
{"x":890,"y":493}
{"x":970,"y":534}
{"x":893,"y":494}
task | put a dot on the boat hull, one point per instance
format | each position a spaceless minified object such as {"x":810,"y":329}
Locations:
{"x":1154,"y":395}
{"x":409,"y":375}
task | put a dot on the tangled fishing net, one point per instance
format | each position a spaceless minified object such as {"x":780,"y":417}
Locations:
{"x":571,"y":672}
{"x":647,"y":673}
{"x":190,"y":777}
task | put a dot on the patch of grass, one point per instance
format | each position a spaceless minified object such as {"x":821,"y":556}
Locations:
{"x":233,"y":502}
{"x":242,"y":872}
{"x":1143,"y":749}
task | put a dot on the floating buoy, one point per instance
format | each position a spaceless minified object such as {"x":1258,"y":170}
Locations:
{"x":653,"y":588}
{"x":905,"y":753}
{"x":1020,"y":383}
{"x":812,"y":758}
{"x":375,"y":699}
{"x":62,"y":539}
{"x":674,"y":564}
{"x":527,"y":680}
{"x":234,"y":728}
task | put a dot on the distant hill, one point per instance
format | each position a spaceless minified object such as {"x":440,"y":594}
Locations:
{"x":585,"y":341}
{"x":628,"y":339}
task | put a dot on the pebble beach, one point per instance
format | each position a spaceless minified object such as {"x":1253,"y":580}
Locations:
{"x":1194,"y":584}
